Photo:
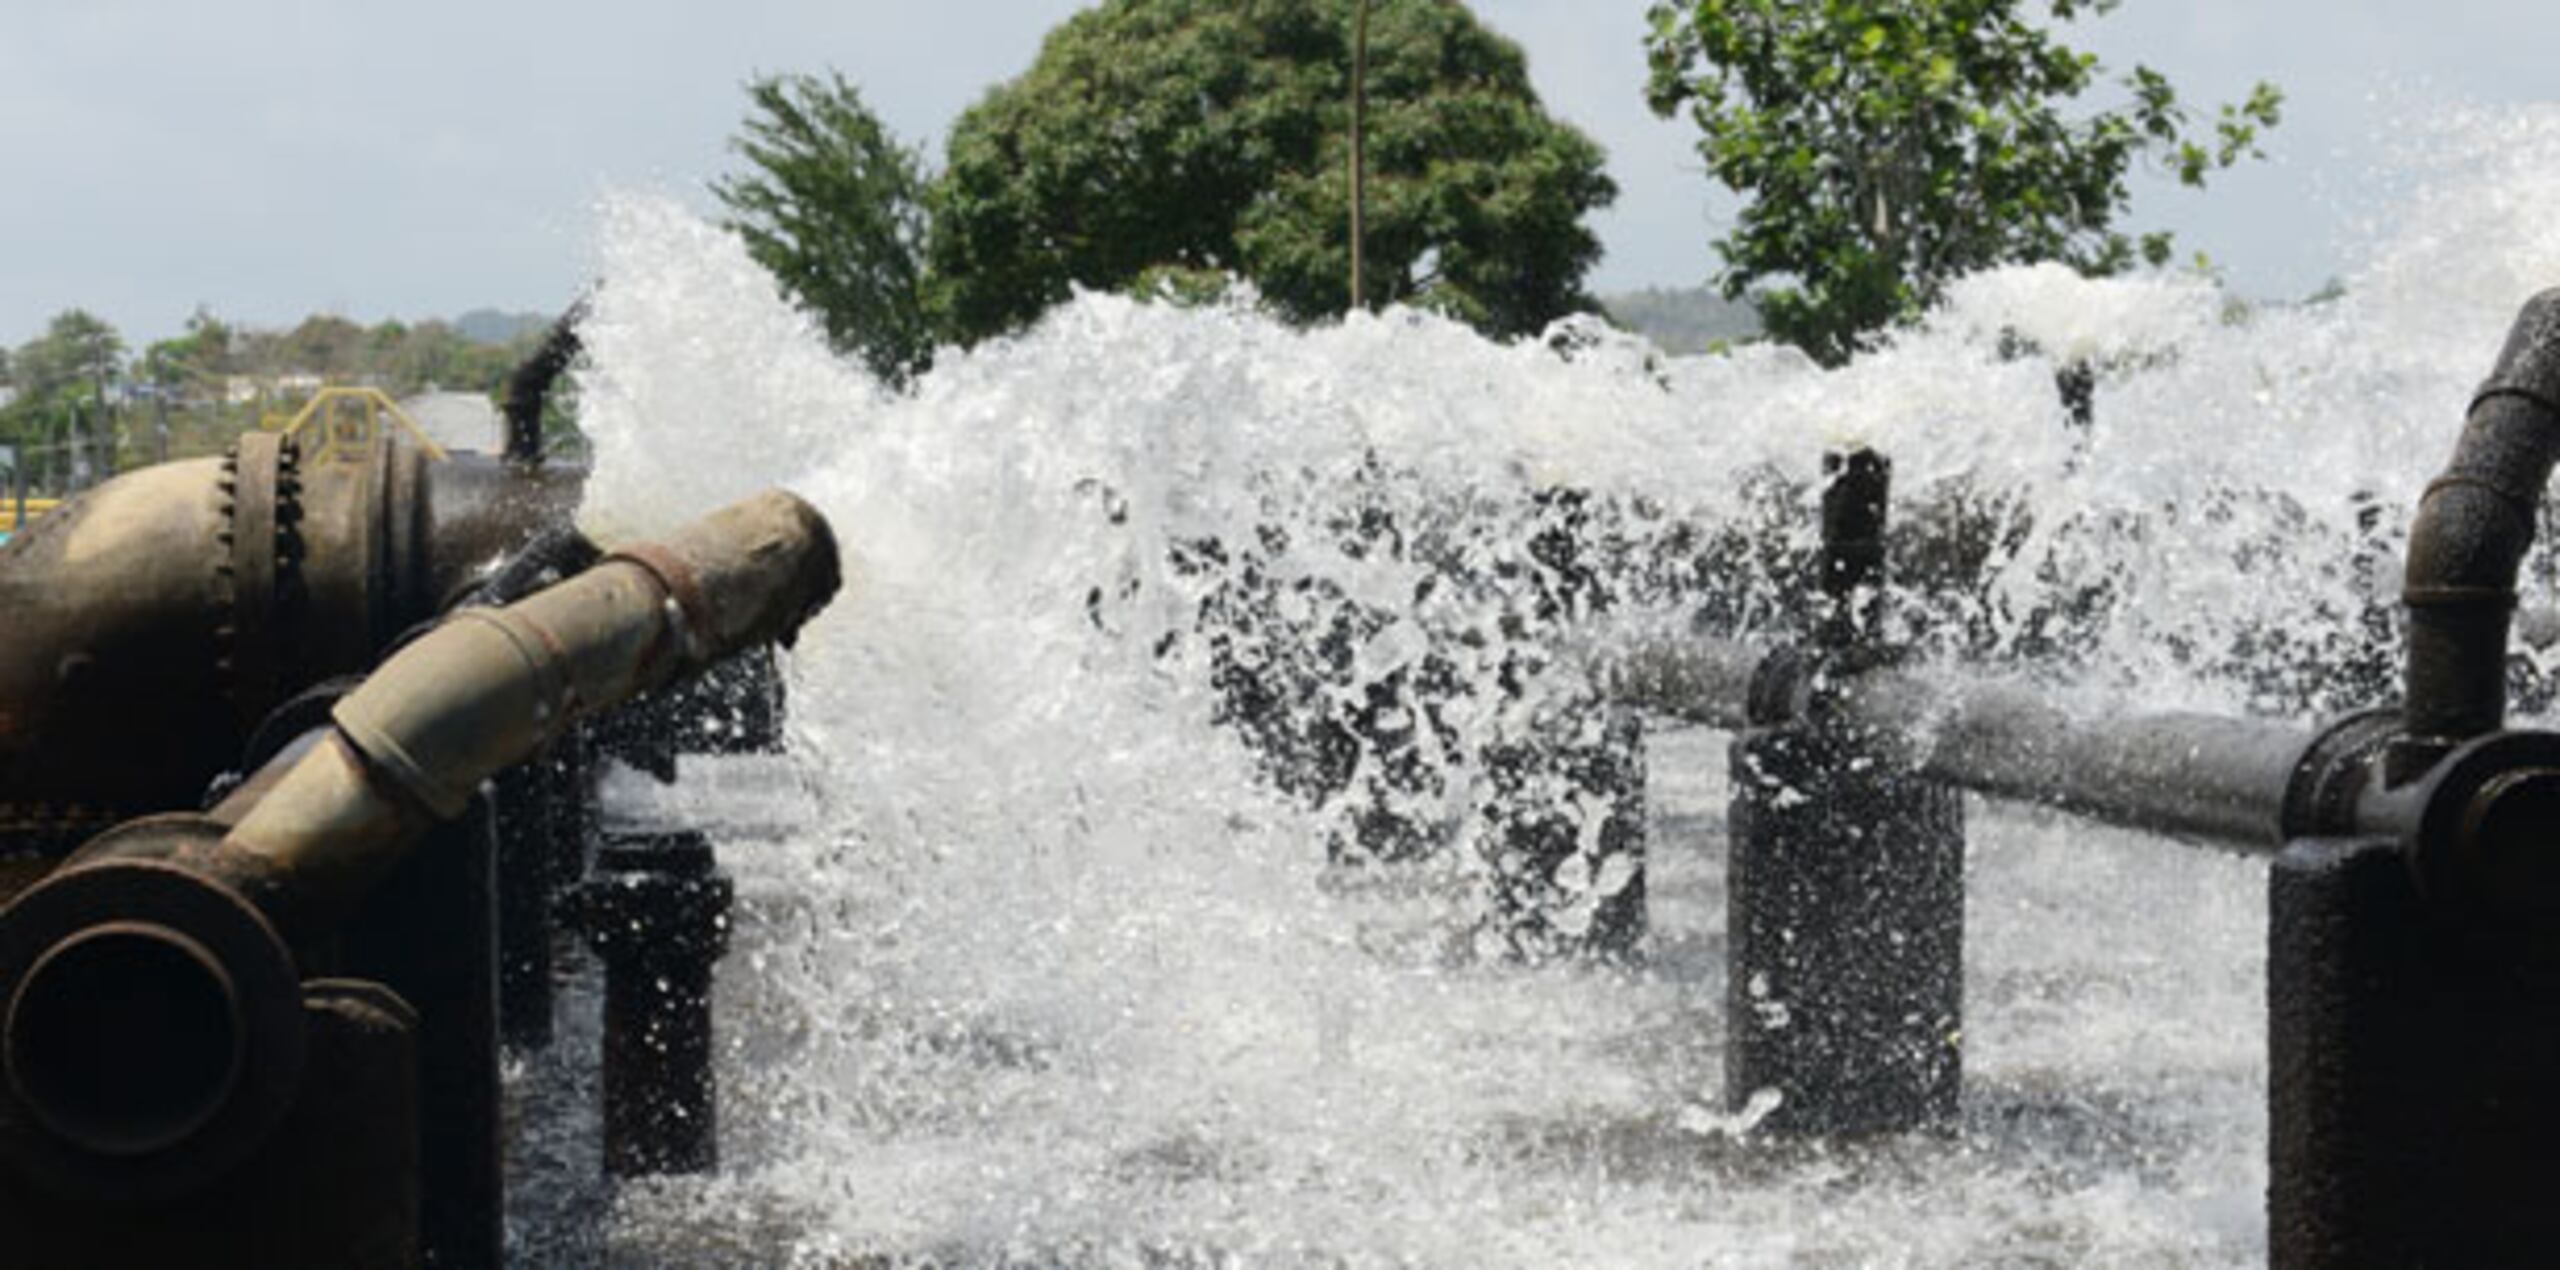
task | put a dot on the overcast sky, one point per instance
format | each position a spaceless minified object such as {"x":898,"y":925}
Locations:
{"x":272,"y":158}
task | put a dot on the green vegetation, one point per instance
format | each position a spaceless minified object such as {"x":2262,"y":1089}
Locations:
{"x":1683,"y":320}
{"x":61,"y":385}
{"x":1884,"y":147}
{"x":834,"y":209}
{"x":1211,"y":135}
{"x":71,"y":367}
{"x":1168,"y":147}
{"x":77,"y":407}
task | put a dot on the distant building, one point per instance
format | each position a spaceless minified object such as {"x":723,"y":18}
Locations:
{"x":458,"y":420}
{"x":241,"y":390}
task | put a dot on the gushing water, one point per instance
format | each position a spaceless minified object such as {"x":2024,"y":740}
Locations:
{"x":1040,"y":962}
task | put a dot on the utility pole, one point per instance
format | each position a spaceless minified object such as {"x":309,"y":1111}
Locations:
{"x":1359,"y":146}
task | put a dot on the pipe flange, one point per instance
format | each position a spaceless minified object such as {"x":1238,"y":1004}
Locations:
{"x":152,"y":1035}
{"x":299,"y":714}
{"x":260,"y":571}
{"x":2333,"y":771}
{"x":1781,"y":689}
{"x":2485,"y":841}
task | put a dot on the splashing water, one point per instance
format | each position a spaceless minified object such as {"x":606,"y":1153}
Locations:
{"x":1035,"y":964}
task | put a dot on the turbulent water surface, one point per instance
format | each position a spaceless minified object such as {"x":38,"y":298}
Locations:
{"x":1036,"y":963}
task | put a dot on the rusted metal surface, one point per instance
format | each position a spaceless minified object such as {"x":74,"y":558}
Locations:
{"x":117,"y":1095}
{"x":428,"y":933}
{"x":114,"y":601}
{"x":336,"y":1184}
{"x":199,"y":595}
{"x":222,"y":908}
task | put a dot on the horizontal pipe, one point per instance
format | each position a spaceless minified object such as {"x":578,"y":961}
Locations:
{"x":2194,"y":776}
{"x":1701,"y":681}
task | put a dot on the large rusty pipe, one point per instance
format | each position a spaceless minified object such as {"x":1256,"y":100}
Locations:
{"x":198,"y":595}
{"x":489,"y":687}
{"x":2203,"y":777}
{"x":2469,"y":539}
{"x":198,"y":911}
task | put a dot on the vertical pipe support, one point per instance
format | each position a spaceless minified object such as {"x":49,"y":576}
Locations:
{"x":541,"y":853}
{"x":430,"y":932}
{"x":1845,"y":885}
{"x":657,"y":913}
{"x":2411,"y":1102}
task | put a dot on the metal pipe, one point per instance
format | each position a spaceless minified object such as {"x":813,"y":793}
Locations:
{"x":1854,"y":498}
{"x":200,"y":594}
{"x":2468,"y":540}
{"x":2191,"y":775}
{"x":489,"y":687}
{"x":297,"y":848}
{"x":530,"y":385}
{"x":1702,"y":681}
{"x":657,"y":912}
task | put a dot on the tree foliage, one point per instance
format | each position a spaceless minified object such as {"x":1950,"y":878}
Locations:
{"x":192,"y":363}
{"x":62,"y":376}
{"x":62,"y":379}
{"x":1886,"y":146}
{"x":1156,"y":138}
{"x":79,"y":353}
{"x":834,"y":209}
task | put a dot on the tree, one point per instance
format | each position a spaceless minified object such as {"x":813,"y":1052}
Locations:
{"x":328,"y":345}
{"x":1182,"y":137}
{"x":1887,"y":146}
{"x":63,"y":377}
{"x":66,"y":371}
{"x":78,"y":353}
{"x":834,"y":209}
{"x":192,"y":363}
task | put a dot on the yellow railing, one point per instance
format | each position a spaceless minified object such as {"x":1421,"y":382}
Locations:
{"x":9,"y":521}
{"x":344,"y":421}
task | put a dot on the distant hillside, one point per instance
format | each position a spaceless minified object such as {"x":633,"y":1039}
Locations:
{"x":1684,"y":319}
{"x":489,"y":326}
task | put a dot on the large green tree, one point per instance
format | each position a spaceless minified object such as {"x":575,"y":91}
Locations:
{"x":1190,"y":137}
{"x":833,"y":207}
{"x":1883,"y":147}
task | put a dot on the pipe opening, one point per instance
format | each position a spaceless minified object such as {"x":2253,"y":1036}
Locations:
{"x":125,"y":1038}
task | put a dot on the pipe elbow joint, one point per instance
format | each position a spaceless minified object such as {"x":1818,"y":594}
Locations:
{"x":2529,"y":365}
{"x":751,"y":573}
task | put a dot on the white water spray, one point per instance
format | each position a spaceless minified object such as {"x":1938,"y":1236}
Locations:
{"x":1037,"y":969}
